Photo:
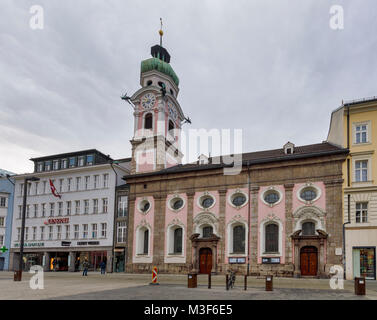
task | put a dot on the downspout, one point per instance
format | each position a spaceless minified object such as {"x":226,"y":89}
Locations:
{"x":248,"y":219}
{"x":348,"y":196}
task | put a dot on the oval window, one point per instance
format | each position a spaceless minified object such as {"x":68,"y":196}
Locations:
{"x":144,"y":206}
{"x":272,"y":197}
{"x":207,"y":202}
{"x":177,"y":204}
{"x":238,"y":200}
{"x":308,"y":194}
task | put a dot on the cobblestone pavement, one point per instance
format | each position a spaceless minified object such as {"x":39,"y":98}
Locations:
{"x":174,"y":292}
{"x":67,"y":285}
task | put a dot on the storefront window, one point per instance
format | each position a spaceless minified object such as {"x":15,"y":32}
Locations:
{"x":364,"y":264}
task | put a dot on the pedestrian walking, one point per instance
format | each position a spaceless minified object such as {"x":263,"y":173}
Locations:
{"x":103,"y":267}
{"x":85,"y":267}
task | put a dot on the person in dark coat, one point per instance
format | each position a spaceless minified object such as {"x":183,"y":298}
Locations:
{"x":103,"y":267}
{"x":85,"y":267}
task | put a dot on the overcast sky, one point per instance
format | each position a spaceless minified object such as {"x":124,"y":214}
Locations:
{"x":274,"y":69}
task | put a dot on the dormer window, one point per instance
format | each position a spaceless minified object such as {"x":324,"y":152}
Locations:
{"x":289,"y":148}
{"x":203,"y":159}
{"x":89,"y":160}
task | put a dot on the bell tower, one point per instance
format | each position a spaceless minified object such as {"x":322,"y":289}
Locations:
{"x":157,"y":114}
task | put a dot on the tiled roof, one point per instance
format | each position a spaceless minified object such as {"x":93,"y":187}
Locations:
{"x":307,"y":151}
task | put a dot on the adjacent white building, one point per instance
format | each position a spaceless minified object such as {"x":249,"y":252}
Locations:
{"x":61,"y":232}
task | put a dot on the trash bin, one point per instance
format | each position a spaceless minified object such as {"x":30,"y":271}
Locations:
{"x":17,"y":275}
{"x":192,"y":280}
{"x":269,"y":286}
{"x":360,"y":286}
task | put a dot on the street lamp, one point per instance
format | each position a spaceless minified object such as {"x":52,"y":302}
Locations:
{"x":18,"y":273}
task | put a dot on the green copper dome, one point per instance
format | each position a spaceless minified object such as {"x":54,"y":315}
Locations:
{"x":159,"y":65}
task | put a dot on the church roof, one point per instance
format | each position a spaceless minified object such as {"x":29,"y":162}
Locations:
{"x":250,"y":158}
{"x":159,"y":65}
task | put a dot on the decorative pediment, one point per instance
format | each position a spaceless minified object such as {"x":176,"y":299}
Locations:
{"x":144,"y":223}
{"x":309,"y":212}
{"x":205,"y":217}
{"x":237,"y":218}
{"x":175,"y":222}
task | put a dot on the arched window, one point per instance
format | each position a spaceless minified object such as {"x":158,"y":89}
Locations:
{"x":148,"y":121}
{"x":171,"y":125}
{"x":239,"y":239}
{"x":272,"y":238}
{"x":308,"y":229}
{"x":178,"y":240}
{"x":207,"y":232}
{"x":146,"y":242}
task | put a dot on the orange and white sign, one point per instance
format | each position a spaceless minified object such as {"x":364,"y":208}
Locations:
{"x":154,"y":275}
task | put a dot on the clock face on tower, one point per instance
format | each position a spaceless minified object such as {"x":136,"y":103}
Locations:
{"x":148,"y":101}
{"x":172,"y":112}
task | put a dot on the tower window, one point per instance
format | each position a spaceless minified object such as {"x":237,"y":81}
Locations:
{"x":172,"y":92}
{"x":148,"y":121}
{"x":171,"y":125}
{"x":149,"y":83}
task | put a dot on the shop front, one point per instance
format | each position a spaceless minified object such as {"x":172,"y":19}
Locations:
{"x":364,"y":262}
{"x":119,"y":259}
{"x":93,"y":257}
{"x":59,"y":261}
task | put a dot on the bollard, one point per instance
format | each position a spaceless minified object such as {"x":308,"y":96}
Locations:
{"x":269,"y":286}
{"x":227,"y":282}
{"x":360,"y":286}
{"x":209,"y":281}
{"x":245,"y":283}
{"x":17,"y":276}
{"x":154,"y":276}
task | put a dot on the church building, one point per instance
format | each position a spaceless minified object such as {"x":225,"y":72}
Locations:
{"x":282,"y":214}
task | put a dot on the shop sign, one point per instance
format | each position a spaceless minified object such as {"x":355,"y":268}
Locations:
{"x":237,"y":260}
{"x":66,"y":243}
{"x":57,"y":221}
{"x":33,"y":244}
{"x":271,"y":260}
{"x":88,"y":243}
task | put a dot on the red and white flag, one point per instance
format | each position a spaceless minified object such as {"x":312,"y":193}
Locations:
{"x":53,"y":190}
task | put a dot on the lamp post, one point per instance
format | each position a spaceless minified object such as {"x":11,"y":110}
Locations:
{"x":18,"y":275}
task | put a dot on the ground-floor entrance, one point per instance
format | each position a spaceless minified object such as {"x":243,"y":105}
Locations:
{"x":364,"y":262}
{"x":59,"y":261}
{"x":309,"y":261}
{"x":2,"y":262}
{"x":119,"y":260}
{"x":205,"y":260}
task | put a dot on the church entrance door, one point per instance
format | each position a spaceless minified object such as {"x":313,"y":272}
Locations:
{"x":205,"y":260}
{"x":308,"y":261}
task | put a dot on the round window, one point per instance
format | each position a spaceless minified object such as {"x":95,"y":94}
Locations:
{"x":308,"y":194}
{"x":238,"y":200}
{"x":207,"y":202}
{"x":271,"y":197}
{"x":177,"y":203}
{"x":144,"y":206}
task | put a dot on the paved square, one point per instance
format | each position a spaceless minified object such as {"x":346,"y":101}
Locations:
{"x":73,"y":286}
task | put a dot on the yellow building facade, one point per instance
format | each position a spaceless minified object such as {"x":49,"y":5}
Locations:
{"x":354,"y":126}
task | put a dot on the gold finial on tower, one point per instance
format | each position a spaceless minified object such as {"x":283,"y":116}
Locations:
{"x":161,"y":32}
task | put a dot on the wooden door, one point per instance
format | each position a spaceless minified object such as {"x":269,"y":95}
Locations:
{"x":205,"y":260}
{"x":308,"y":261}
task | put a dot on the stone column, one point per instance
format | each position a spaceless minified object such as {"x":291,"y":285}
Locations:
{"x":159,"y":231}
{"x":71,"y":266}
{"x":253,"y":240}
{"x":195,"y":258}
{"x":46,"y":267}
{"x":297,"y":272}
{"x":334,"y":221}
{"x":214,"y":258}
{"x":130,"y":227}
{"x":321,"y":267}
{"x":288,"y":222}
{"x":190,"y":218}
{"x":222,"y":226}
